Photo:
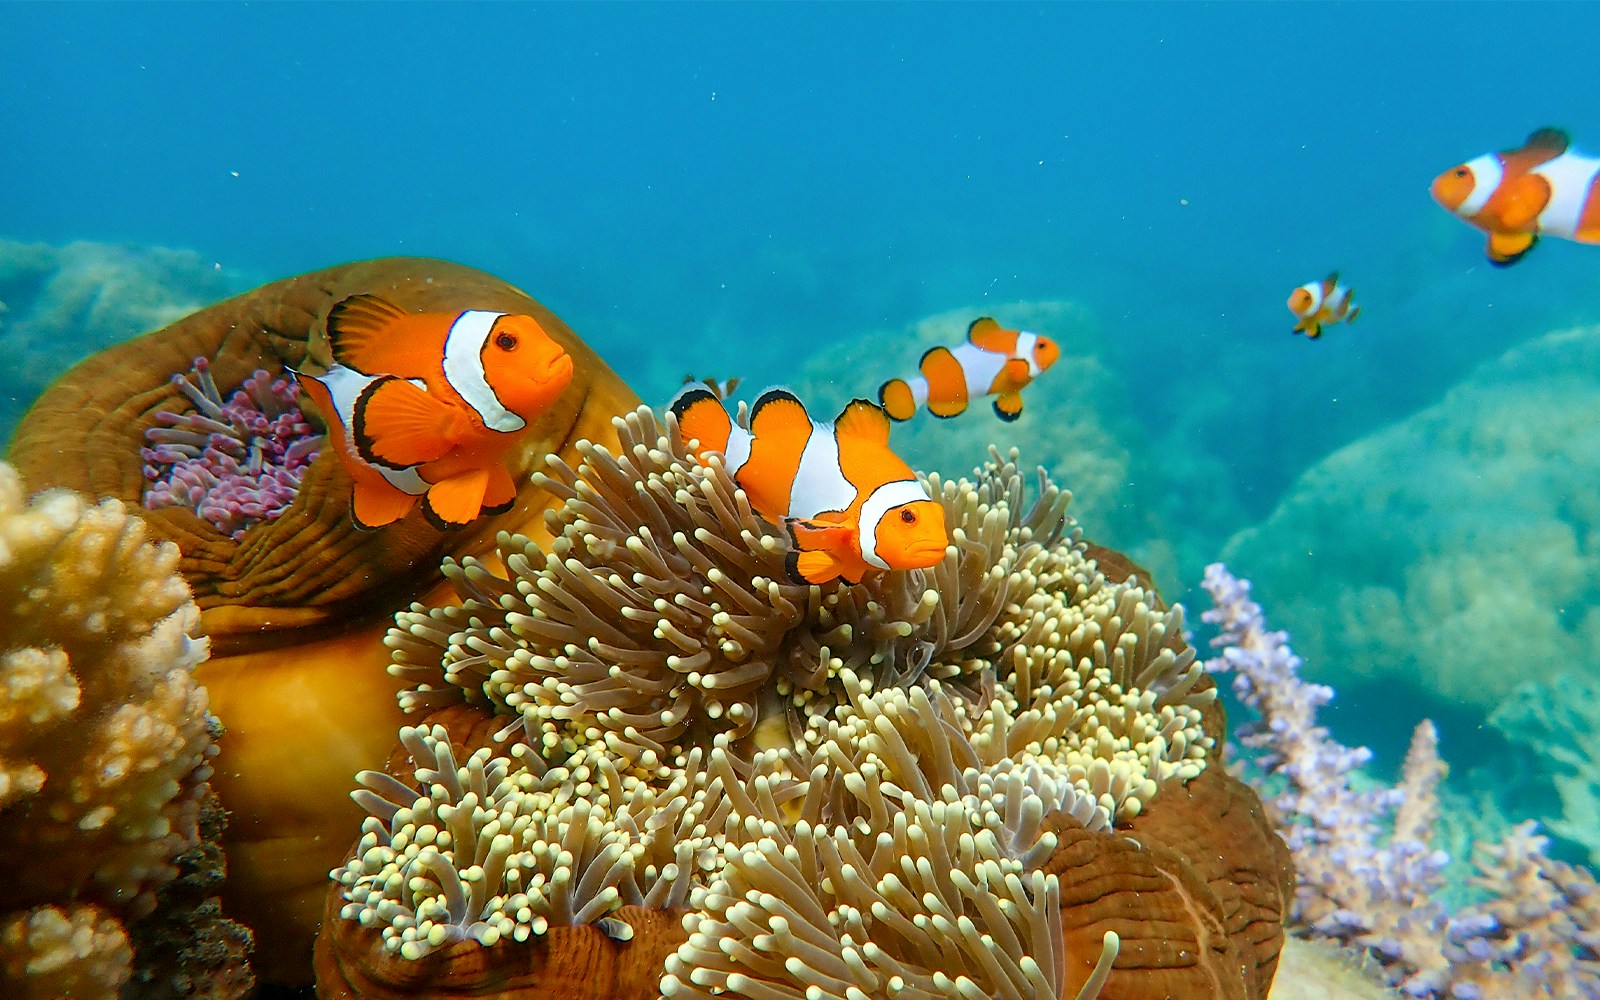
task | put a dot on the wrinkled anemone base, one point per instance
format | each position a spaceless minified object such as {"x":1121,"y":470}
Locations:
{"x":287,"y":790}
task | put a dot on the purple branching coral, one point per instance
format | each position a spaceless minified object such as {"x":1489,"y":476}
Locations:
{"x":1367,"y":875}
{"x":234,"y":462}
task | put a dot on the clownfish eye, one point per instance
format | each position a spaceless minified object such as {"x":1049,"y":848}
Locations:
{"x":505,"y":340}
{"x":908,"y":515}
{"x":1460,"y":171}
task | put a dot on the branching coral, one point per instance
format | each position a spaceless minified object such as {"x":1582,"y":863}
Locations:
{"x":104,"y":734}
{"x":1375,"y":884}
{"x":50,"y":952}
{"x":104,"y":731}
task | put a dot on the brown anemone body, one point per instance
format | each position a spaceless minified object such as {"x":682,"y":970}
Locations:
{"x":297,"y":609}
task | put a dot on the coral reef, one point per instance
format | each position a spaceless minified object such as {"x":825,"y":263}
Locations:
{"x":58,"y":303}
{"x":296,"y":606}
{"x":105,"y":742}
{"x":1407,"y":558}
{"x":986,"y":778}
{"x":1559,"y":724}
{"x":1369,"y":877}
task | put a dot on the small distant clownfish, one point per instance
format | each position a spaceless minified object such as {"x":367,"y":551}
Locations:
{"x":1322,"y":303}
{"x":993,"y":362}
{"x":849,"y":503}
{"x":426,"y":405}
{"x":1517,"y":196}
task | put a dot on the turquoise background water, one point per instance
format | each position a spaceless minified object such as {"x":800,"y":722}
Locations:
{"x":733,"y":189}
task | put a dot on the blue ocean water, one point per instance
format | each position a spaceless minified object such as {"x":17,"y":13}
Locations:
{"x":731,"y":189}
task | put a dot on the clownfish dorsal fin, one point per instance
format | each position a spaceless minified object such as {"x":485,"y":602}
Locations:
{"x":1330,"y":282}
{"x":778,"y":410}
{"x":864,"y":420}
{"x":360,"y":333}
{"x":1548,"y":140}
{"x":985,"y":333}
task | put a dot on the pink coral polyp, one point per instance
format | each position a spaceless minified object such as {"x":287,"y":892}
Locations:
{"x":234,"y":462}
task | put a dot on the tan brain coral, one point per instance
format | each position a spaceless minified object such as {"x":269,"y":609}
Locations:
{"x":904,"y":778}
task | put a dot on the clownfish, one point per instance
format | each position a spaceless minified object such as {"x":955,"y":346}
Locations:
{"x":426,"y":405}
{"x":993,"y":362}
{"x":1519,"y":195}
{"x":1322,"y":303}
{"x":850,"y":504}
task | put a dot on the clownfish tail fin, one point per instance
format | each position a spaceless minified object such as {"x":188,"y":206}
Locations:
{"x":897,"y":400}
{"x":701,"y":417}
{"x":1354,"y":312}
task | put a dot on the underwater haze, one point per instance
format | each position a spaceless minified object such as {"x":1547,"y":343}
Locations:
{"x":813,"y":194}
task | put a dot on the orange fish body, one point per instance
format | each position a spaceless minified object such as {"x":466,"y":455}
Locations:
{"x":851,"y":506}
{"x":992,"y":362}
{"x":1516,"y":196}
{"x":426,"y":405}
{"x":1319,"y":303}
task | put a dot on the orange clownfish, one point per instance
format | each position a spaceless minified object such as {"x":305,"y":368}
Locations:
{"x":1322,"y":303}
{"x":993,"y":362}
{"x":1517,"y":196}
{"x":849,"y":503}
{"x":427,"y":405}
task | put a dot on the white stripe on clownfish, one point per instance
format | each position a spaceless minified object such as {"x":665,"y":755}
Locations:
{"x":345,"y":386}
{"x":1487,"y":174}
{"x":463,"y":366}
{"x":819,"y":482}
{"x":882,"y":500}
{"x":1025,"y":344}
{"x":1570,"y":177}
{"x":1313,"y":289}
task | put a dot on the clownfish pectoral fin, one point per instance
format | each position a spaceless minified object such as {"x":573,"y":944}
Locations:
{"x":864,"y":420}
{"x":985,"y":333}
{"x":897,"y":400}
{"x":1522,"y":201}
{"x":501,"y":493}
{"x":374,"y":503}
{"x":820,"y":567}
{"x":1008,"y":406}
{"x":1311,"y":329}
{"x":778,"y":413}
{"x":819,"y":551}
{"x":701,"y":417}
{"x":947,"y":382}
{"x":1014,"y":375}
{"x":397,"y":424}
{"x":453,"y":502}
{"x":360,"y":333}
{"x":1506,"y":249}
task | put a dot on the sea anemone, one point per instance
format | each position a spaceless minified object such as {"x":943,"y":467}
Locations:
{"x":940,"y":783}
{"x":234,"y":462}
